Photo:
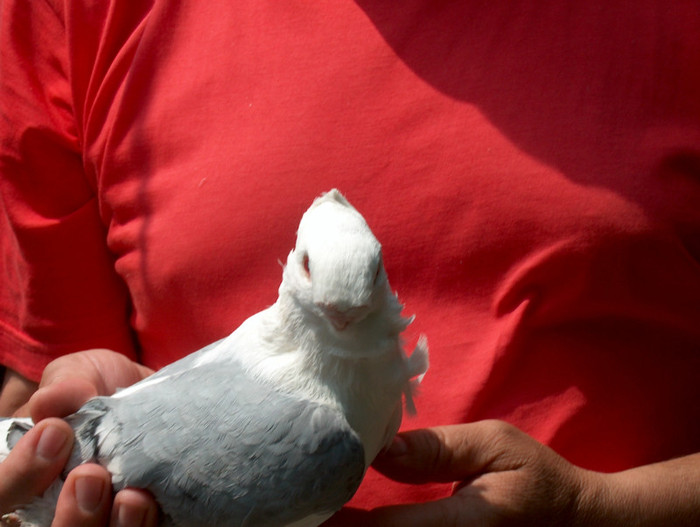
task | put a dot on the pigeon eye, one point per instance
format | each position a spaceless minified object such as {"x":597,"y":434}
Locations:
{"x":305,"y":265}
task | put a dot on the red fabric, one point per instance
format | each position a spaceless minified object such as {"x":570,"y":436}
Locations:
{"x":531,"y":169}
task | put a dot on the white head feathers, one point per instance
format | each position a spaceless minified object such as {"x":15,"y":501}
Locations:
{"x":336,"y":268}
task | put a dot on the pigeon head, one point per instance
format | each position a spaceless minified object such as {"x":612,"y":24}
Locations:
{"x":336,"y":264}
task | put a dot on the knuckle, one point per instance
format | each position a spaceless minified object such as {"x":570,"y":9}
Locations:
{"x":499,"y":428}
{"x":500,"y":435}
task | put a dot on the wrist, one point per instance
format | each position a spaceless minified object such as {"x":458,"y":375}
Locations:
{"x":594,"y":503}
{"x":649,"y":496}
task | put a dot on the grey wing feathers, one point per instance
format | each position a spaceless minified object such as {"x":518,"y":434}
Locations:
{"x":239,"y":453}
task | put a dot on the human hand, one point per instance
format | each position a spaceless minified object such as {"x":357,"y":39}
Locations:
{"x":501,"y":477}
{"x":36,"y":460}
{"x":70,"y":380}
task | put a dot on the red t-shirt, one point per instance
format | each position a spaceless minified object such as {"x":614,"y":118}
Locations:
{"x":532,"y":171}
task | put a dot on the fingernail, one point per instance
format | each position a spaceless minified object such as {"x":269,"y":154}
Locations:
{"x":51,"y":442}
{"x":398,"y":447}
{"x":89,"y":491}
{"x":129,"y":516}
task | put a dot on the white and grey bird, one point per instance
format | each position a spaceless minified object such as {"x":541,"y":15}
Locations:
{"x":276,"y":424}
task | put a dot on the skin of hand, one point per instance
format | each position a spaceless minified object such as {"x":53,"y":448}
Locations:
{"x":16,"y":391}
{"x":503,"y":477}
{"x":39,"y":457}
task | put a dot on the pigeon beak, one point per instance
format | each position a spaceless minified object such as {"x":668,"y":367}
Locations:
{"x":340,"y":319}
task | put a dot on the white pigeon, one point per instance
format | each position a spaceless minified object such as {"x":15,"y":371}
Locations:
{"x":275,"y":424}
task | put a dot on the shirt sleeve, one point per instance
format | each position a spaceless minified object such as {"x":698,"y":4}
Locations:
{"x":59,"y":291}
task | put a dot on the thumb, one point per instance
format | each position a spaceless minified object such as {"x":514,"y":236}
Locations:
{"x":452,"y":453}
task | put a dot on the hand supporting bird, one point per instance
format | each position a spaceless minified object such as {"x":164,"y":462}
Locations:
{"x":40,"y":456}
{"x":503,"y":477}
